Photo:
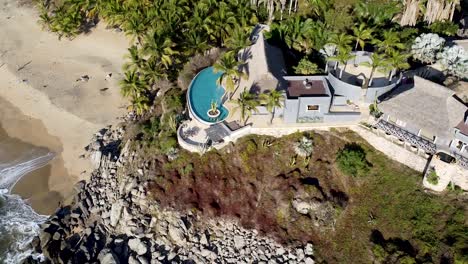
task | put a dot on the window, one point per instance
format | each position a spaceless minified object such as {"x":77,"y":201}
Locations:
{"x":312,"y":107}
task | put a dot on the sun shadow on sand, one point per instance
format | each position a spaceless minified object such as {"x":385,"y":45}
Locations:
{"x":34,"y":188}
{"x":23,"y":138}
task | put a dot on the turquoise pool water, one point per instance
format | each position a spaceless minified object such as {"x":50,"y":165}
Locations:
{"x":202,"y":91}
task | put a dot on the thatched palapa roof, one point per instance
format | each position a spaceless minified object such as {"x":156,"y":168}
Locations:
{"x":427,"y":105}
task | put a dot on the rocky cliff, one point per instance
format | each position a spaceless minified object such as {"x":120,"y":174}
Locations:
{"x":113,"y":220}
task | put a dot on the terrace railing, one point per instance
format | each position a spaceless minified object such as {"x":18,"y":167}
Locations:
{"x":402,"y":134}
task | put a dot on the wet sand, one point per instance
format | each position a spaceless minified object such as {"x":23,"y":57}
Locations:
{"x":34,"y":187}
{"x":21,"y":135}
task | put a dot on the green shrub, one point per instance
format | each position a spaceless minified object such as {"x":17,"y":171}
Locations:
{"x":379,"y":253}
{"x":433,"y":178}
{"x":446,"y":28}
{"x":152,"y":127}
{"x":167,"y":143}
{"x":352,"y":160}
{"x":407,"y":260}
{"x":374,"y":110}
{"x":306,"y":67}
{"x":185,"y":171}
{"x":455,"y":188}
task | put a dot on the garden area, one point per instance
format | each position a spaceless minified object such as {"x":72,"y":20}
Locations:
{"x":166,"y":36}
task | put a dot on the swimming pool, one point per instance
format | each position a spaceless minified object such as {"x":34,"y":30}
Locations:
{"x":202,"y":91}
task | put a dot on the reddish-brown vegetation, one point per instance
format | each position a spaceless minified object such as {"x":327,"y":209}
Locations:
{"x":255,"y":181}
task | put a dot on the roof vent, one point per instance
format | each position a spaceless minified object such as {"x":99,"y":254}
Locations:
{"x":307,"y":84}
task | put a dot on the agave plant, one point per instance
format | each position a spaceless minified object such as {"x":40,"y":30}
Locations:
{"x":454,"y":61}
{"x":304,"y":147}
{"x":426,"y":47}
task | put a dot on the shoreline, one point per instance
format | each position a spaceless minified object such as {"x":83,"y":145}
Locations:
{"x":45,"y":103}
{"x":44,"y":187}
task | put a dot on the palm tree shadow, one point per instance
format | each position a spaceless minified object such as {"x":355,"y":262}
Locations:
{"x":244,"y":56}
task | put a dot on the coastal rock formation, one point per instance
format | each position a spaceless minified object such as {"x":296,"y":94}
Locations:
{"x":112,"y":220}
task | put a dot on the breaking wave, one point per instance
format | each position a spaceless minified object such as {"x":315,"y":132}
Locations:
{"x":19,"y":223}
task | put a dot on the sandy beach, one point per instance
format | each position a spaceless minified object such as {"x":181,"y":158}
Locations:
{"x":43,"y":102}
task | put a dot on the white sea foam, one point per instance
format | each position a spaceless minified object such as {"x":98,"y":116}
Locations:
{"x":19,"y":223}
{"x":11,"y":172}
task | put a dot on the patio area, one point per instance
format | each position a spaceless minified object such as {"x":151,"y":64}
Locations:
{"x":448,"y":173}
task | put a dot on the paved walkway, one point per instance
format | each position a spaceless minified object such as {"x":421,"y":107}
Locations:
{"x":445,"y":172}
{"x":392,"y":150}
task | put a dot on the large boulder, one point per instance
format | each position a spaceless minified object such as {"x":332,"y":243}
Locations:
{"x":301,"y":206}
{"x":107,"y":257}
{"x":96,"y":159}
{"x":239,"y":242}
{"x":176,"y":234}
{"x":115,"y":214}
{"x":137,"y":246}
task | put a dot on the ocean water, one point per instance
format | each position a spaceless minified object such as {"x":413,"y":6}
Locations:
{"x":19,"y":223}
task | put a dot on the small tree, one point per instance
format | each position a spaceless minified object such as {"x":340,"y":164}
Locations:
{"x":247,"y":104}
{"x":306,"y":67}
{"x":352,"y":160}
{"x":344,"y":55}
{"x":272,"y":100}
{"x":361,"y":34}
{"x":454,"y":61}
{"x":426,"y":47}
{"x":378,"y":61}
{"x":433,"y":178}
{"x":231,"y":72}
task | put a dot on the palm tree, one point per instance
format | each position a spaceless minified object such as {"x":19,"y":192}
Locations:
{"x":132,"y":85}
{"x":140,"y":104}
{"x":221,"y":23}
{"x":378,"y":61}
{"x":231,"y":72}
{"x":361,"y":34}
{"x":239,"y":39}
{"x":397,"y":61}
{"x":272,"y":100}
{"x":299,"y":34}
{"x":342,"y":41}
{"x":135,"y":59}
{"x":318,"y":6}
{"x":195,"y":43}
{"x":135,"y":27}
{"x":152,"y":71}
{"x":344,"y":55}
{"x":391,"y":41}
{"x":158,"y":45}
{"x":247,"y":104}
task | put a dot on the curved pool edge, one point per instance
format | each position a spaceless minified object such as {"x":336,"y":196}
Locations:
{"x":192,"y":112}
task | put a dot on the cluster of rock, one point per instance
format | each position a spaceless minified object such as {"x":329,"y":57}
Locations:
{"x":114,"y":220}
